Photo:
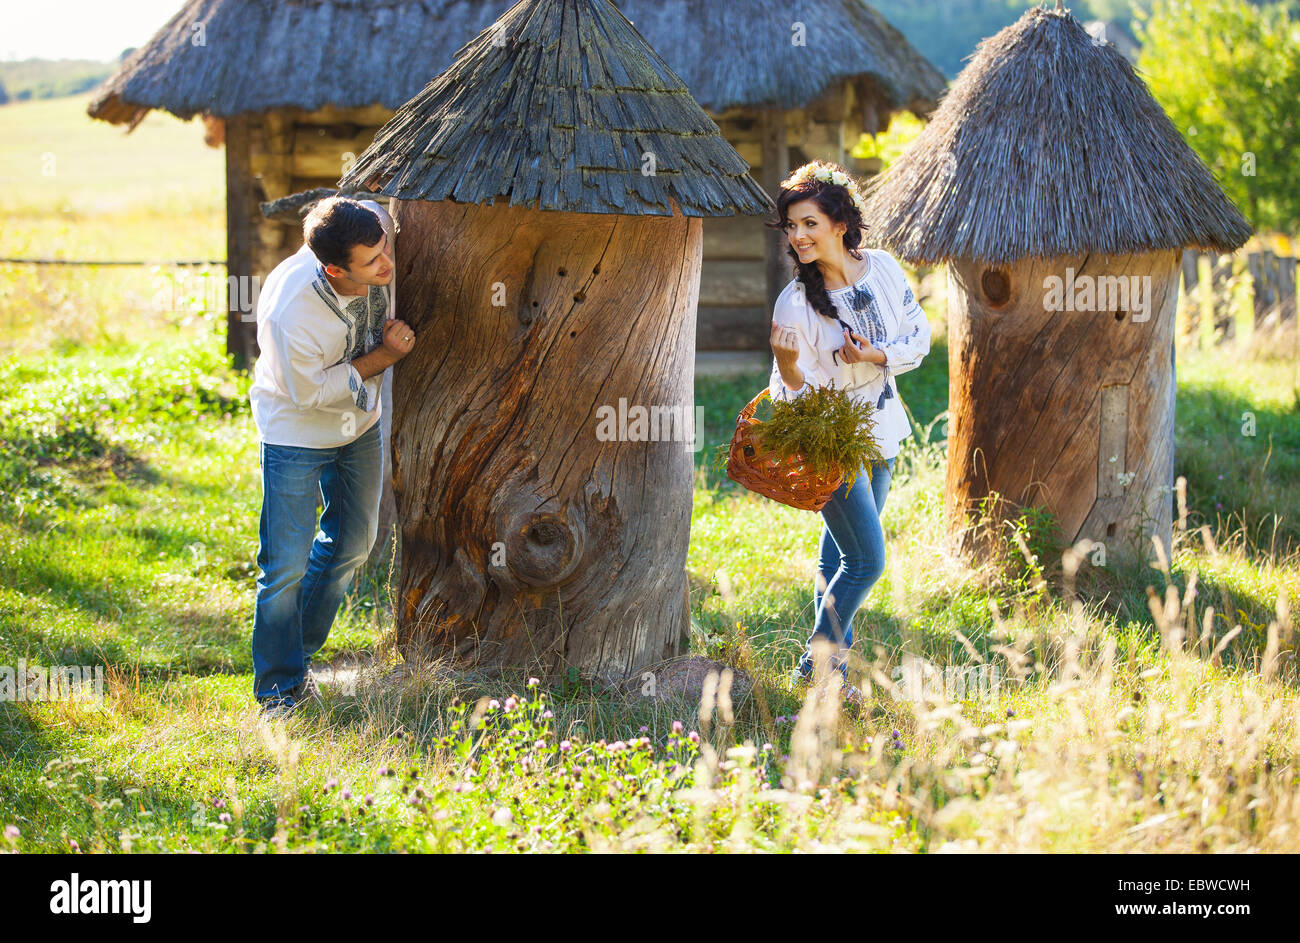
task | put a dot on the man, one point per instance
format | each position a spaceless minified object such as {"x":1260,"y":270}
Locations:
{"x":327,"y":333}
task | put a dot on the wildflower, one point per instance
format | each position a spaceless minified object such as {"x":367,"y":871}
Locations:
{"x":677,"y":726}
{"x":347,"y":794}
{"x":767,"y":748}
{"x":564,"y":746}
{"x":644,"y":730}
{"x":370,"y":800}
{"x":502,"y":817}
{"x":224,"y":818}
{"x":385,"y":771}
{"x":72,"y":843}
{"x":1010,"y":712}
{"x":533,"y":682}
{"x":511,"y":703}
{"x":493,"y":704}
{"x":218,"y":803}
{"x":547,"y":715}
{"x":11,"y":832}
{"x":895,"y":734}
{"x":539,"y":745}
{"x":693,"y":737}
{"x":331,"y":783}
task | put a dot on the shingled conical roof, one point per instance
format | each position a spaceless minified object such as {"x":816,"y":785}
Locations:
{"x":1049,"y":144}
{"x":252,"y":55}
{"x":560,"y":105}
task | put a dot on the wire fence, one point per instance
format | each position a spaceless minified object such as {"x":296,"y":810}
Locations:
{"x":128,"y":262}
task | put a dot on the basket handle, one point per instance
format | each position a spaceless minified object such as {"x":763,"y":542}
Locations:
{"x":747,"y":414}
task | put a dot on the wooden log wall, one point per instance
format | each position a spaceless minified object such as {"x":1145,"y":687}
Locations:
{"x":295,"y":150}
{"x":735,"y":309}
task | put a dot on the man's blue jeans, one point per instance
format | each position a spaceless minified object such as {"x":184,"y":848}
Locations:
{"x":305,"y":572}
{"x":852,"y":560}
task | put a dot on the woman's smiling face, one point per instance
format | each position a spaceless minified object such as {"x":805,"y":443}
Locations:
{"x":812,"y":234}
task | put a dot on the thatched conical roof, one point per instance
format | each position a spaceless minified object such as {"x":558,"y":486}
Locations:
{"x":560,"y":105}
{"x":1049,"y":144}
{"x":260,"y":54}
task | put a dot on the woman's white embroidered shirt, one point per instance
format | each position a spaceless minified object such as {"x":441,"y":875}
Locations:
{"x":881,"y":307}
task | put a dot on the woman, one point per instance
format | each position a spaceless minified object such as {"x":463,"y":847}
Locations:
{"x":848,"y":319}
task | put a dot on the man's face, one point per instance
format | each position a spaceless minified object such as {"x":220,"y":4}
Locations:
{"x":369,"y":265}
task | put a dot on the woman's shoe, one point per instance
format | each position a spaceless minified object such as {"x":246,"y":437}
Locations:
{"x":278,"y":707}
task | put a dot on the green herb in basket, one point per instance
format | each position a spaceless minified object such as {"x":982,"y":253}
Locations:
{"x":826,"y":426}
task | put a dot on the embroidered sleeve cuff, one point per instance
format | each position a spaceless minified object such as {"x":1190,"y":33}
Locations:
{"x":782,"y":392}
{"x":360,"y":392}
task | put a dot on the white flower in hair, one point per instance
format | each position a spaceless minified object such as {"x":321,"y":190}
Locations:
{"x":839,"y":179}
{"x":823,"y":174}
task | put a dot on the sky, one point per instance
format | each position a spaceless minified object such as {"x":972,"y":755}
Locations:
{"x":79,"y":29}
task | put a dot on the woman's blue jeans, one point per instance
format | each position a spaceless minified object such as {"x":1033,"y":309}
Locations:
{"x":305,"y":571}
{"x":852,"y":560}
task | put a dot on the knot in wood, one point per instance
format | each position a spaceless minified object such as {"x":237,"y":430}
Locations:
{"x":543,"y":548}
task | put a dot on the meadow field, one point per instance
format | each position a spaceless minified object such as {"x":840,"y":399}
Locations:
{"x":1081,"y":707}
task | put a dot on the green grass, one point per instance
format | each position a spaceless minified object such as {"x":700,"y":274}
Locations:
{"x":129,"y":499}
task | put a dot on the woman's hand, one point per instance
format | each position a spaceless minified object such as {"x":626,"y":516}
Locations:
{"x":857,"y":349}
{"x":785,"y":345}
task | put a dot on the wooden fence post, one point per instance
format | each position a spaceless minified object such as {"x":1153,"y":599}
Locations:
{"x":1225,"y":327}
{"x":776,"y":167}
{"x":1192,"y":297}
{"x":1263,"y":277}
{"x":1286,"y":266}
{"x":241,"y":324}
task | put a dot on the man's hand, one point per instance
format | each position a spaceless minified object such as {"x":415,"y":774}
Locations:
{"x":399,"y":339}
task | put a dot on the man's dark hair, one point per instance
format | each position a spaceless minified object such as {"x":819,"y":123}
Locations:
{"x":335,"y":225}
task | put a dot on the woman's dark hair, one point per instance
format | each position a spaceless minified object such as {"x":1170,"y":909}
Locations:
{"x":838,"y":204}
{"x":335,"y":225}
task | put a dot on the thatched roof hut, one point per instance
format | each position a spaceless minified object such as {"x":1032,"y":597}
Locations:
{"x":1049,"y":144}
{"x":298,"y":112}
{"x":583,"y":127}
{"x":1061,"y":196}
{"x":548,"y":189}
{"x":232,"y":57}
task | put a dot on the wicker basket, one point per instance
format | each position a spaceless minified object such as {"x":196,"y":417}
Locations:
{"x":791,"y":482}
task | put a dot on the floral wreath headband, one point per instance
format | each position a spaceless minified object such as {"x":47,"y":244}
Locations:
{"x":818,"y":172}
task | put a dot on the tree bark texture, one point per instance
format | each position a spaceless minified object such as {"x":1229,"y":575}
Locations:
{"x":1071,"y":411}
{"x":528,"y":540}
